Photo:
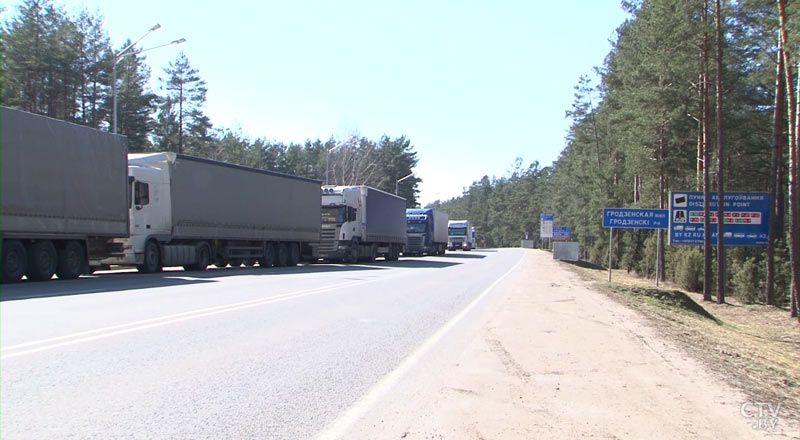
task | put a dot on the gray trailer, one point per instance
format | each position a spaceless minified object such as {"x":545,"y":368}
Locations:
{"x":192,"y":212}
{"x":64,"y":195}
{"x":361,"y":223}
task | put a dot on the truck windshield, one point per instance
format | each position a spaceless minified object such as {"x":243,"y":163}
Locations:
{"x":457,"y":231}
{"x":416,"y":227}
{"x":333,"y":215}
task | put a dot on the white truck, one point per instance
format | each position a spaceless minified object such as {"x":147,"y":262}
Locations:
{"x":361,"y":223}
{"x":193,"y":212}
{"x":460,"y":235}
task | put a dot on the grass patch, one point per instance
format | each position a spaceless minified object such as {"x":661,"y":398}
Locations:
{"x":673,"y":300}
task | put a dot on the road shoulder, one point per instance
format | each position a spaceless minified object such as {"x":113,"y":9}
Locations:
{"x":554,"y":358}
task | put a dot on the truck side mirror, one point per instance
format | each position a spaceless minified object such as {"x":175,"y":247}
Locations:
{"x":351,"y":214}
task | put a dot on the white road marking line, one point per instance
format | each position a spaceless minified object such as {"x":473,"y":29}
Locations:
{"x":343,"y":423}
{"x":105,"y":332}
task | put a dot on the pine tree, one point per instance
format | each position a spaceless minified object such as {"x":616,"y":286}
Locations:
{"x":135,"y":104}
{"x":186,"y":94}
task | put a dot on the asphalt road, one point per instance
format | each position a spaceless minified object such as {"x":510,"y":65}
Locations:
{"x":226,"y":353}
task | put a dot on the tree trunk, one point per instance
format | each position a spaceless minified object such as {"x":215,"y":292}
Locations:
{"x":721,"y":276}
{"x":794,"y":212}
{"x":792,"y":124}
{"x":706,"y":117}
{"x":777,"y":143}
{"x":180,"y":119}
{"x":662,"y":188}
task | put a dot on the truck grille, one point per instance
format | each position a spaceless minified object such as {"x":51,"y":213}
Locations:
{"x":328,"y":240}
{"x":416,"y":242}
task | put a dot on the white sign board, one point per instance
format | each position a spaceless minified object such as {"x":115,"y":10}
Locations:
{"x":546,"y":226}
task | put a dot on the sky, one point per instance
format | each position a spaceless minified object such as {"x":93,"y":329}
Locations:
{"x":473,"y":84}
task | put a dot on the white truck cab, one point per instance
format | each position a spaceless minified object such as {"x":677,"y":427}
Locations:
{"x":150,"y":213}
{"x":460,"y":235}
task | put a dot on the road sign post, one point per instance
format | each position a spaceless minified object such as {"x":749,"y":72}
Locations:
{"x":632,"y":218}
{"x":610,"y":246}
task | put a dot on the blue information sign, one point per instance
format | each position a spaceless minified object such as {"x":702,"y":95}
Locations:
{"x":635,"y":218}
{"x":746,"y":218}
{"x":561,"y":232}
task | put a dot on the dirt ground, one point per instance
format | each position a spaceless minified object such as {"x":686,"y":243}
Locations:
{"x":756,"y":348}
{"x":557,"y":358}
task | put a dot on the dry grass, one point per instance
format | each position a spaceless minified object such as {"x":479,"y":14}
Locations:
{"x":754,"y":347}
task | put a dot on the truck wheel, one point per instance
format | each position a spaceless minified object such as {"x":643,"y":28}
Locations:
{"x":42,"y":261}
{"x":15,"y":261}
{"x":294,"y":254}
{"x":268,"y":259}
{"x":70,"y":261}
{"x":373,"y":253}
{"x":236,"y":262}
{"x":281,"y":255}
{"x":220,"y":262}
{"x":152,"y":258}
{"x":250,"y":262}
{"x":203,"y":258}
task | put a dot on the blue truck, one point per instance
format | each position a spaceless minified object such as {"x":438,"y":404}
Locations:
{"x":427,"y":232}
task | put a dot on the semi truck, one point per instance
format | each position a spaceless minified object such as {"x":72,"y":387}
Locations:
{"x":73,"y":200}
{"x":460,"y":235}
{"x":427,"y":232}
{"x":361,"y":223}
{"x":193,"y":212}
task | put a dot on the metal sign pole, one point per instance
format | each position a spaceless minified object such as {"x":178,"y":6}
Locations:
{"x":610,"y":242}
{"x":658,"y":255}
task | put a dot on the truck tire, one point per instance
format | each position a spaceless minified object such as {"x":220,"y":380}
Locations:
{"x":236,"y":262}
{"x":373,"y":254}
{"x":15,"y":261}
{"x":203,"y":258}
{"x":268,"y":259}
{"x":294,"y":254}
{"x":250,"y":262}
{"x":71,"y":260}
{"x":394,"y":253}
{"x":281,"y":255}
{"x":42,"y":261}
{"x":152,"y":258}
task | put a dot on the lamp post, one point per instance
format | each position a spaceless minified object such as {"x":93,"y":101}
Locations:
{"x":124,"y":53}
{"x":328,"y":153}
{"x":397,"y":182}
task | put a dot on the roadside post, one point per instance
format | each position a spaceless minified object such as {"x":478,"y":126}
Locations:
{"x":631,"y":218}
{"x":610,"y":246}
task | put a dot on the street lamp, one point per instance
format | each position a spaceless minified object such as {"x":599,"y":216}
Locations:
{"x":328,"y":153}
{"x":397,"y":182}
{"x":124,"y":53}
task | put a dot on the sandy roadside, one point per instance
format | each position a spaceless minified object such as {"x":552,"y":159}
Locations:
{"x":555,"y":359}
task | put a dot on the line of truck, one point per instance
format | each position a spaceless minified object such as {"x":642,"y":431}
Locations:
{"x":74,"y":201}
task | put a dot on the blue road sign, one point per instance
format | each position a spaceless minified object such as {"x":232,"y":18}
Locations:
{"x":561,"y":232}
{"x":746,"y":218}
{"x":635,"y":218}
